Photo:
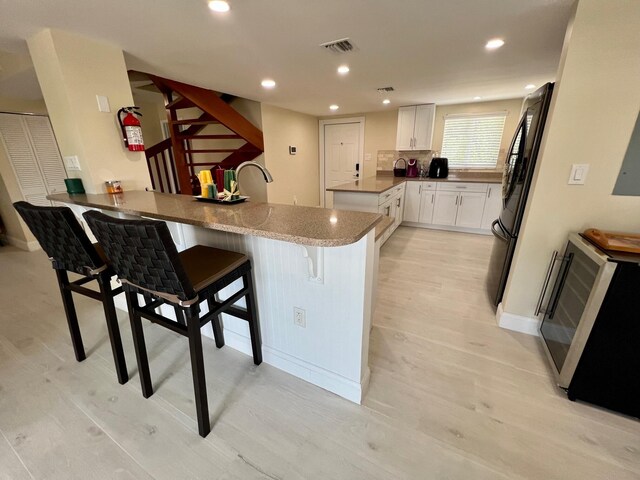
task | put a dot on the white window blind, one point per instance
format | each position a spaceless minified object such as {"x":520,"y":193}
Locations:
{"x":473,"y":141}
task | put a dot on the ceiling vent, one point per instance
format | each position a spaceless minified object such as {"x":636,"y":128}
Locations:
{"x":339,"y":46}
{"x":386,"y":89}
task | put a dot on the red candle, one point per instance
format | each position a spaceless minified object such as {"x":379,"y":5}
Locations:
{"x":220,"y":180}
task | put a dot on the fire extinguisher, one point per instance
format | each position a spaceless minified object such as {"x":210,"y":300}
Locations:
{"x":131,"y":129}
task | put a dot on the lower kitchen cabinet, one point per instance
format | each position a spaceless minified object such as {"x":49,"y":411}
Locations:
{"x":461,"y":206}
{"x":446,"y":208}
{"x":492,"y":205}
{"x":412,"y":202}
{"x":390,"y":203}
{"x":470,"y":208}
{"x":427,"y":205}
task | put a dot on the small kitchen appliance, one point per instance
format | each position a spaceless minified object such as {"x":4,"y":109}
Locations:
{"x":400,"y":171}
{"x":412,"y":168}
{"x":439,"y":167}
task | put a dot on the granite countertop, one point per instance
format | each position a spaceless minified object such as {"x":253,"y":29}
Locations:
{"x":383,"y":226}
{"x":384,"y":181}
{"x":311,"y":226}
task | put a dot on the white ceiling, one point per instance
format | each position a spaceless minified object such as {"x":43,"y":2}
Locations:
{"x":429,"y":50}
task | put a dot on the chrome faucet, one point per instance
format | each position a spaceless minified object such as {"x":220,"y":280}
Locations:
{"x":267,"y":175}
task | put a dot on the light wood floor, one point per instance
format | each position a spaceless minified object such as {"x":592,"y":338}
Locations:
{"x":452,"y":396}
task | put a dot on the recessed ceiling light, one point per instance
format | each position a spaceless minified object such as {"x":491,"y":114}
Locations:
{"x":343,"y":69}
{"x":219,"y":6}
{"x":494,"y":43}
{"x":268,"y":83}
{"x":386,"y":101}
{"x":530,"y":86}
{"x":477,"y":98}
{"x":333,"y":107}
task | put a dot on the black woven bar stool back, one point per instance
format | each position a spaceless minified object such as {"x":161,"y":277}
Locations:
{"x":147,"y":262}
{"x":69,"y":249}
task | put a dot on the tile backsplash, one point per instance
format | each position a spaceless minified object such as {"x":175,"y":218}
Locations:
{"x":386,"y":158}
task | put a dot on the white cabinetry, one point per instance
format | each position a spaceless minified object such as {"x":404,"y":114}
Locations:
{"x":470,"y":208}
{"x":389,"y":203}
{"x":461,"y":206}
{"x":415,"y":127}
{"x":492,"y":205}
{"x":446,"y":208}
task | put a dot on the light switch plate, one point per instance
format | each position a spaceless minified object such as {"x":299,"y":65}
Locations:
{"x":293,"y":149}
{"x":72,"y":163}
{"x":103,"y":103}
{"x":578,"y":173}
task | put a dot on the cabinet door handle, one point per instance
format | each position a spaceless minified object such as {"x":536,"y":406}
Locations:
{"x":457,"y":199}
{"x":420,"y":189}
{"x":387,"y":210}
{"x":489,"y":194}
{"x":398,"y":203}
{"x":460,"y":200}
{"x":432,"y":196}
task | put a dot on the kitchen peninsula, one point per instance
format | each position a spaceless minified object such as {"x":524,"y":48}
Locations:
{"x":320,"y":261}
{"x":464,"y":201}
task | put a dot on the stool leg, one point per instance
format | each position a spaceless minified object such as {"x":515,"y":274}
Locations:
{"x":197,"y":370}
{"x":216,"y":323}
{"x":179,"y":316}
{"x":138,"y":343}
{"x":112,"y":327}
{"x":72,"y":317}
{"x":254,"y":324}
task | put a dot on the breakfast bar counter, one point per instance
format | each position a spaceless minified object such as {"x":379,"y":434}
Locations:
{"x":312,"y":226}
{"x":314,"y":272}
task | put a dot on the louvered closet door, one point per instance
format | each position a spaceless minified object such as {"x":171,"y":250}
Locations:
{"x":47,"y":154}
{"x":34,"y":156}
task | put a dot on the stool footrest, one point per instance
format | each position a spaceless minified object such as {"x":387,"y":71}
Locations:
{"x":223,"y":307}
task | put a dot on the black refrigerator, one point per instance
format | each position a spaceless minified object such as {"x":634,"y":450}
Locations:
{"x":518,"y":173}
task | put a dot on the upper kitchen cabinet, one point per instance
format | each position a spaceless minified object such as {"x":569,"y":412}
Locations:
{"x":415,"y":127}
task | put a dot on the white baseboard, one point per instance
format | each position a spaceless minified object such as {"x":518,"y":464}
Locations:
{"x":517,"y":323}
{"x":31,"y":246}
{"x":448,"y":228}
{"x":313,"y":374}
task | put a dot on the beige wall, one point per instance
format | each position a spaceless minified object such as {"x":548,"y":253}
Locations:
{"x":593,"y":112}
{"x":71,"y":71}
{"x":294,"y":175}
{"x":512,"y":107}
{"x":380,"y":130}
{"x":9,"y":188}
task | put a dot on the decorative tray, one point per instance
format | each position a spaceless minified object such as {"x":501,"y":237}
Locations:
{"x":621,"y":242}
{"x":240,"y":199}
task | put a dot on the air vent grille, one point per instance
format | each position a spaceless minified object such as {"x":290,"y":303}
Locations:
{"x":339,"y":46}
{"x":386,"y":89}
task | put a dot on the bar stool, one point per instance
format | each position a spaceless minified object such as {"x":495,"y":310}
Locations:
{"x":147,"y":262}
{"x":69,"y":249}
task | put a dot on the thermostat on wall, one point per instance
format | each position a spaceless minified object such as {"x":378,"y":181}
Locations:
{"x":292,"y":150}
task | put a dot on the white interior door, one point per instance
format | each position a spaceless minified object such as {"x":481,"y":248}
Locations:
{"x":342,"y":145}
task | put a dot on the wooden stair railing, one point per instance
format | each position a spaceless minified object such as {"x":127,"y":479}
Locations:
{"x":179,"y":163}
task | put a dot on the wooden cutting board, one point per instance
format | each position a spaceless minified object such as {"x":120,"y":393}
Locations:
{"x":620,"y":242}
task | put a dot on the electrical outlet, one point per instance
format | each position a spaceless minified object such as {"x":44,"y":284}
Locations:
{"x":295,"y":200}
{"x":299,"y":317}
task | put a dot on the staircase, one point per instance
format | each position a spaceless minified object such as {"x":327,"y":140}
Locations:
{"x":218,"y":136}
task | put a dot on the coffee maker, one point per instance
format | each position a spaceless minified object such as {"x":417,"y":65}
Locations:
{"x":439,"y":167}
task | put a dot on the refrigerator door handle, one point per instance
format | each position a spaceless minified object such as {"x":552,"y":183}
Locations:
{"x":496,"y":233}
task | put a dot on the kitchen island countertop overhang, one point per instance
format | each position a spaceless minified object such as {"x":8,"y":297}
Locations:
{"x":313,"y":226}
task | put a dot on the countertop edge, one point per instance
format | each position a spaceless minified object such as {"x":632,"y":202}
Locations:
{"x":403,"y":180}
{"x":295,"y":239}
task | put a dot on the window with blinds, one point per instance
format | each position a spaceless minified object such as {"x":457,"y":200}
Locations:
{"x":473,"y":141}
